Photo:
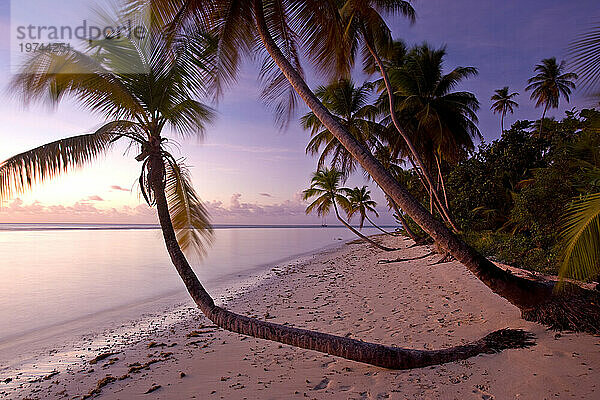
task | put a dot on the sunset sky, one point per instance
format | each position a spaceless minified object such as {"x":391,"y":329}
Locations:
{"x":246,"y":170}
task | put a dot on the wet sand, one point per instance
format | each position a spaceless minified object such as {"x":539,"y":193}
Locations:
{"x":414,"y":304}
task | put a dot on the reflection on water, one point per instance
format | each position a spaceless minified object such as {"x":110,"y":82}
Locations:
{"x":51,"y":277}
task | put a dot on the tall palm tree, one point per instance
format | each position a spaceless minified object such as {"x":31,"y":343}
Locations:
{"x":550,"y":84}
{"x":503,"y":103}
{"x":361,"y":203}
{"x":277,"y":30}
{"x":140,"y":106}
{"x":364,"y":24}
{"x":443,"y":121}
{"x":350,"y":105}
{"x":325,"y":186}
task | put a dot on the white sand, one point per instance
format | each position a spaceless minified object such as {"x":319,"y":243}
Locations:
{"x":410,"y":304}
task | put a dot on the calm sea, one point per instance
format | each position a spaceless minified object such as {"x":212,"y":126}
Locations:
{"x":57,"y":274}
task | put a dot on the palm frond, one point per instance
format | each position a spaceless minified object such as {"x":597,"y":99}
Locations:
{"x":585,"y":58}
{"x":20,"y":172}
{"x":581,"y":237}
{"x":189,"y":216}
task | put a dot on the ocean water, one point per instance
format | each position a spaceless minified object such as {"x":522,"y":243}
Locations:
{"x":56,"y":275}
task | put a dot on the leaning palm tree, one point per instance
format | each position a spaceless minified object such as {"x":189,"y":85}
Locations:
{"x":277,"y":31}
{"x":364,"y":24}
{"x":550,"y":84}
{"x":325,"y":186}
{"x":503,"y":103}
{"x":145,"y":89}
{"x":361,"y":203}
{"x":390,"y":163}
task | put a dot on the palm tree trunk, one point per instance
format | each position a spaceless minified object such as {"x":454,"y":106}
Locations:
{"x":357,"y":233}
{"x":445,"y":214}
{"x":351,"y":349}
{"x":519,"y":291}
{"x":502,"y":122}
{"x":442,"y":182}
{"x":542,"y":120}
{"x":404,"y":223}
{"x":378,"y":227}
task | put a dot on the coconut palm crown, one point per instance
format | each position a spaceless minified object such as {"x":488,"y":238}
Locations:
{"x":361,"y":203}
{"x":503,"y":103}
{"x":144,"y":88}
{"x":550,"y":84}
{"x":349,"y":104}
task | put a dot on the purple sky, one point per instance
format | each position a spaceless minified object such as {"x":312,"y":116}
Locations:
{"x":246,"y":169}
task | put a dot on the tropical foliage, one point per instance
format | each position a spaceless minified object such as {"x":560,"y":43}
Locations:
{"x":144,"y":88}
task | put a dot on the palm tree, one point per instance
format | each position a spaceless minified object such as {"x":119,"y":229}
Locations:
{"x":276,"y":30}
{"x":361,"y":203}
{"x":349,"y":104}
{"x":503,"y":103}
{"x":443,"y":121}
{"x":140,"y":105}
{"x":364,"y":23}
{"x":550,"y":84}
{"x":325,"y":186}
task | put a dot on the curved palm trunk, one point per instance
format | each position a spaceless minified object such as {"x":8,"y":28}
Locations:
{"x":356,"y":350}
{"x":404,"y":223}
{"x":444,"y":212}
{"x":378,"y":227}
{"x":357,"y":233}
{"x":519,"y":291}
{"x":437,"y":160}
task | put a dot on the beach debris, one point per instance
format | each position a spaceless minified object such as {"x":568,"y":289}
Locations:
{"x":51,"y":375}
{"x":197,"y":333}
{"x":111,"y":361}
{"x":182,"y":374}
{"x":322,"y":385}
{"x":101,"y":357}
{"x":7,"y":380}
{"x":108,"y":379}
{"x":152,"y":345}
{"x":137,"y":367}
{"x":154,"y":388}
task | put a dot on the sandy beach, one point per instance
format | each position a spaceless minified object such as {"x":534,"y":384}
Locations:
{"x":414,"y":304}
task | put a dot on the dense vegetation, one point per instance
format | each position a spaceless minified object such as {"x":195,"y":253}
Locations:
{"x":510,"y":196}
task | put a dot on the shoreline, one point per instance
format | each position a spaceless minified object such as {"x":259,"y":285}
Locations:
{"x":342,"y":291}
{"x":32,"y":355}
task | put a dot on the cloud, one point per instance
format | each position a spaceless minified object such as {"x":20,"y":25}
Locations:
{"x":266,"y":194}
{"x":81,"y":211}
{"x":95,"y":198}
{"x":117,"y":187}
{"x":238,"y":211}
